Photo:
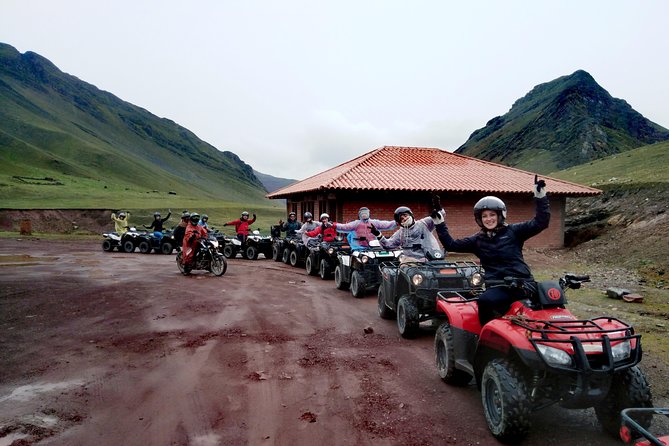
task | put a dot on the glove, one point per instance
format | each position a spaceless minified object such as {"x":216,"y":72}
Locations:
{"x":539,"y":187}
{"x":225,"y":224}
{"x":254,"y":216}
{"x":437,"y":218}
{"x":436,"y":206}
{"x":373,"y":230}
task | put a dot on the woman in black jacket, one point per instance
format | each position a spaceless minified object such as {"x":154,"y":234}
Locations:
{"x":499,"y":247}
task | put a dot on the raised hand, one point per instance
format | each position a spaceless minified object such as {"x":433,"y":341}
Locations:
{"x":539,"y":187}
{"x":373,"y":230}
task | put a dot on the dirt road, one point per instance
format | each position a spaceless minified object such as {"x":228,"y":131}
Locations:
{"x":120,"y":349}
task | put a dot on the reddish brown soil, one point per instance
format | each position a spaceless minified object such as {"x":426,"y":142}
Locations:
{"x":120,"y":349}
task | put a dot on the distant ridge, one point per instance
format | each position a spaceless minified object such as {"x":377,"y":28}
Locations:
{"x":562,"y":123}
{"x":54,"y":125}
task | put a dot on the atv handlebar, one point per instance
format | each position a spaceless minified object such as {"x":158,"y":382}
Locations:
{"x":572,"y":281}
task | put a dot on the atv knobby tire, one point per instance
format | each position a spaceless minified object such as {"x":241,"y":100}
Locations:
{"x":166,"y":248}
{"x":310,"y":265}
{"x":444,"y":353}
{"x":229,"y":251}
{"x":357,"y":284}
{"x":629,"y":388}
{"x":144,"y":247}
{"x":506,"y":401}
{"x":107,"y":246}
{"x":251,"y":253}
{"x":407,"y":318}
{"x":324,"y":269}
{"x":340,"y":282}
{"x":276,"y":252}
{"x":285,"y":256}
{"x":128,"y":246}
{"x":294,"y":258}
{"x":384,"y":311}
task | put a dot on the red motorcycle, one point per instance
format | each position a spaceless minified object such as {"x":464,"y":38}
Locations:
{"x":539,"y":354}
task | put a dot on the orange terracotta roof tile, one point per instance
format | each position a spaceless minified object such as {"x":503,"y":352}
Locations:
{"x":426,"y":169}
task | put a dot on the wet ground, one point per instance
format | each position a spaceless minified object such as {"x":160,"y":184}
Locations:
{"x":120,"y":349}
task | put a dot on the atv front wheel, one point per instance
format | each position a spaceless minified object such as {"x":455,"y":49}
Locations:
{"x":310,"y":265}
{"x":384,"y":311}
{"x":166,"y":248}
{"x":229,"y":252}
{"x":107,"y":246}
{"x":276,"y":253}
{"x":294,"y":258}
{"x":407,"y":318}
{"x":629,"y":388}
{"x":218,"y":265}
{"x":144,"y":247}
{"x":444,"y":352}
{"x":506,"y":401}
{"x":128,"y":246}
{"x":285,"y":256}
{"x":340,"y":282}
{"x":357,"y":284}
{"x":251,"y":253}
{"x":324,"y":269}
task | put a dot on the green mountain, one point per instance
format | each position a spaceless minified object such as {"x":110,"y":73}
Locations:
{"x":65,"y":143}
{"x":566,"y":122}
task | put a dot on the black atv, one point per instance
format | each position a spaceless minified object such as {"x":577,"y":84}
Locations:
{"x":125,"y":243}
{"x":359,"y":268}
{"x":254,"y":245}
{"x":323,"y":259}
{"x":148,"y":242}
{"x":279,"y":244}
{"x":409,"y":290}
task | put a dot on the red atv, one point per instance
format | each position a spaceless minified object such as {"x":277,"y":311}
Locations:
{"x":539,"y":354}
{"x":632,"y":431}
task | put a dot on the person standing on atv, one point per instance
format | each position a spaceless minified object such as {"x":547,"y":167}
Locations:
{"x":180,"y":230}
{"x":362,"y":229}
{"x":157,"y":224}
{"x":414,"y":236}
{"x":190,"y":241}
{"x":499,"y":247}
{"x":291,"y":226}
{"x":242,"y":225}
{"x":326,"y":230}
{"x":308,"y":225}
{"x":121,"y":224}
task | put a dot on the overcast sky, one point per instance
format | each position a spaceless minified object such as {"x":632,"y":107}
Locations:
{"x":296,"y":87}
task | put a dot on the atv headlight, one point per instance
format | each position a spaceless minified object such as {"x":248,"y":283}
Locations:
{"x":364,"y":259}
{"x":214,"y":243}
{"x":330,"y":251}
{"x":476,"y":280}
{"x":417,"y":279}
{"x":554,"y":356}
{"x":621,"y":351}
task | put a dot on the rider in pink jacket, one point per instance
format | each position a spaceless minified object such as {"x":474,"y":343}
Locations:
{"x":361,"y":227}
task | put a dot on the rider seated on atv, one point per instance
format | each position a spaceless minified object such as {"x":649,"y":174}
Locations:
{"x":190,"y":242}
{"x":180,"y":229}
{"x":203,"y":221}
{"x":308,"y":225}
{"x":325,"y":230}
{"x":121,"y":224}
{"x":359,"y":230}
{"x":242,"y":225}
{"x":414,"y":236}
{"x":291,"y":226}
{"x":499,"y":246}
{"x":157,"y":223}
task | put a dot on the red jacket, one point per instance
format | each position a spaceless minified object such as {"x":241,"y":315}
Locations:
{"x":242,"y":226}
{"x":329,"y":233}
{"x":188,"y":245}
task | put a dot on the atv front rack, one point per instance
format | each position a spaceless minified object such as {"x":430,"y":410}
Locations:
{"x":590,"y":341}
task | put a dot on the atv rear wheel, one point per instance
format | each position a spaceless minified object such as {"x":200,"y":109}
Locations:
{"x":229,"y":252}
{"x":166,"y":248}
{"x":340,"y":282}
{"x":506,"y":401}
{"x":357,"y":284}
{"x":629,"y":388}
{"x":310,"y":265}
{"x":324,"y":269}
{"x":128,"y":246}
{"x":285,"y":256}
{"x":444,"y":352}
{"x":107,"y":245}
{"x":218,"y":265}
{"x":276,"y":252}
{"x":407,"y":318}
{"x":251,"y":252}
{"x":384,"y":311}
{"x":144,"y":247}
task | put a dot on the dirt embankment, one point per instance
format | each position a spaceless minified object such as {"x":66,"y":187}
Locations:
{"x":61,"y":221}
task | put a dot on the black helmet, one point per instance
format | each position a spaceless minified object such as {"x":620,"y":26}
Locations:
{"x":185,"y":215}
{"x":493,"y":204}
{"x":308,"y":215}
{"x":204,"y":217}
{"x":402,"y":210}
{"x":194,"y":218}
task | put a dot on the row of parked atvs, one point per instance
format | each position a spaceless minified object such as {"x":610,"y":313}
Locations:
{"x":536,"y":355}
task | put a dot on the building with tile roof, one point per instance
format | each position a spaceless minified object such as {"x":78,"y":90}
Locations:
{"x":392,"y":176}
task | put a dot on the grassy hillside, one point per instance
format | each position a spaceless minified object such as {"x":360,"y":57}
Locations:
{"x":65,"y":143}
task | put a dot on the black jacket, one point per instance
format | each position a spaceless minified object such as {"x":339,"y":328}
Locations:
{"x":157,"y":224}
{"x":502,"y":254}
